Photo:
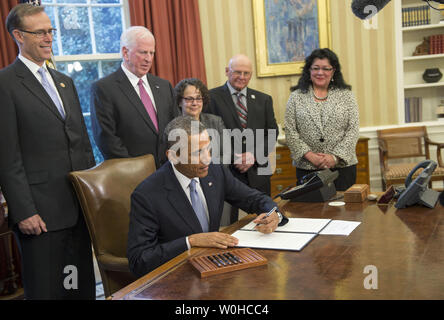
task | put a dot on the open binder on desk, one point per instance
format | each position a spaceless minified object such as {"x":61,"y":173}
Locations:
{"x":294,"y":235}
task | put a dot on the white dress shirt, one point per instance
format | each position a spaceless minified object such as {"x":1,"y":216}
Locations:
{"x":134,"y":80}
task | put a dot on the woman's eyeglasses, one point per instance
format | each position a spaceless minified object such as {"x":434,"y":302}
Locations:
{"x":325,"y":69}
{"x":191,"y":100}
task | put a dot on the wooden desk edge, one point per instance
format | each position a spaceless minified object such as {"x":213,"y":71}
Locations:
{"x":169,"y":266}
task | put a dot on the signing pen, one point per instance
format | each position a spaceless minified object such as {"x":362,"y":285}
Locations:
{"x":269,"y":213}
{"x":235,"y":257}
{"x":214,"y":261}
{"x":230,"y":258}
{"x":219,"y":260}
{"x":224,"y":259}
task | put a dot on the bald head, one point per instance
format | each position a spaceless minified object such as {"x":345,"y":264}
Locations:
{"x":239,"y":71}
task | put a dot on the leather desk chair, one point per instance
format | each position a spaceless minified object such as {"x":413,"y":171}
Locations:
{"x":411,"y":145}
{"x":104,"y":193}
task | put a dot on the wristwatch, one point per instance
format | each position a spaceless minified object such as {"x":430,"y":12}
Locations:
{"x":279,"y":215}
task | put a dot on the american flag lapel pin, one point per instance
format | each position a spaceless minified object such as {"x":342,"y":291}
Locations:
{"x":62,"y":84}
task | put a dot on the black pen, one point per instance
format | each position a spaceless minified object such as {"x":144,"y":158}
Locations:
{"x":224,"y":259}
{"x":214,"y":261}
{"x":235,"y":257}
{"x":230,"y":258}
{"x":219,"y":260}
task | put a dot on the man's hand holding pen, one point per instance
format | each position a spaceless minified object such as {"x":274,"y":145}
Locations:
{"x":267,"y":222}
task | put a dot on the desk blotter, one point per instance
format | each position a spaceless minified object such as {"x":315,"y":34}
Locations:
{"x":249,"y":258}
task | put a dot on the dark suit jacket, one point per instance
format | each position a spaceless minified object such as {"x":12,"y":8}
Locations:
{"x":121,"y":125}
{"x":260,"y":116}
{"x":38,"y":148}
{"x":161,"y":215}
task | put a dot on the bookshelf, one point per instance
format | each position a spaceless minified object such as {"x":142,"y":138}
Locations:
{"x":411,"y":68}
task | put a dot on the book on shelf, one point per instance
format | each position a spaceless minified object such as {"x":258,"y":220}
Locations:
{"x":436,"y":44}
{"x":415,"y":16}
{"x":413,"y":109}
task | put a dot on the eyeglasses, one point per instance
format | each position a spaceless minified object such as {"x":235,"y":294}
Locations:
{"x":40,"y":33}
{"x":191,"y":100}
{"x":240,"y":73}
{"x":325,"y":69}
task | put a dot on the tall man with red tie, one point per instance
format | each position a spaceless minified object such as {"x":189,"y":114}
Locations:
{"x":130,"y":108}
{"x":246,"y":109}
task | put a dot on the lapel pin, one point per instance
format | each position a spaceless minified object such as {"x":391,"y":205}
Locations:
{"x":253,"y":96}
{"x":62,"y":84}
{"x":157,"y":87}
{"x":210,"y":184}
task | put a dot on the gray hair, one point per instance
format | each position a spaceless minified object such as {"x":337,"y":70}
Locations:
{"x":130,"y":36}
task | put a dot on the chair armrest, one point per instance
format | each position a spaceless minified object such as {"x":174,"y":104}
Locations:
{"x":113,"y":263}
{"x":439,"y":146}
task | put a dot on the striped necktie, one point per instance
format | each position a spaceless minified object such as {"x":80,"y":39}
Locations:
{"x":241,"y":109}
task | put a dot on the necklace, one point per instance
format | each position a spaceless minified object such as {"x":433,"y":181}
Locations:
{"x":318,"y":98}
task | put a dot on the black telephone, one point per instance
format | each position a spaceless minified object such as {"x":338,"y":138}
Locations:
{"x":418,"y":191}
{"x":314,"y":187}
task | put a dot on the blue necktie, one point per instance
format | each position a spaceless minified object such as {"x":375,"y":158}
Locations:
{"x":198,"y":206}
{"x":51,"y":92}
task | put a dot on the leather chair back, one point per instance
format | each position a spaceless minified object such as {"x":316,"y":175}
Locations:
{"x":104,"y":193}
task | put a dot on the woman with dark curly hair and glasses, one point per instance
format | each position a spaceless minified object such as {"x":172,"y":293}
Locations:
{"x":322,"y":120}
{"x":191,"y":96}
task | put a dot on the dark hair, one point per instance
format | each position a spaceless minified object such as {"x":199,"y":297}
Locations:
{"x":337,"y":81}
{"x":185,"y":123}
{"x":16,"y":15}
{"x":183,"y":84}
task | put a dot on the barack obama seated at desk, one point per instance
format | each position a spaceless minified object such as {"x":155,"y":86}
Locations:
{"x":180,"y":205}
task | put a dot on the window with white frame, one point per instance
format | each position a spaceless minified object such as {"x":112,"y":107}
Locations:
{"x":87,"y":43}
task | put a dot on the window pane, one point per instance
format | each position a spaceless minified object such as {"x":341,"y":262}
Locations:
{"x":83,"y":74}
{"x":107,"y":28}
{"x":47,"y":1}
{"x":97,"y":155}
{"x":74,"y":25}
{"x":50,"y":12}
{"x":105,"y":1}
{"x":110,"y":66}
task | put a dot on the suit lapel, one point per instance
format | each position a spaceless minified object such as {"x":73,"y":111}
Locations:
{"x":129,"y":91}
{"x":35,"y":87}
{"x":179,"y":201}
{"x":210,"y":191}
{"x":162,"y":117}
{"x":251,"y":107}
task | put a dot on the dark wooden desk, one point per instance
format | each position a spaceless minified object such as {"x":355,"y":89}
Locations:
{"x":406,"y":246}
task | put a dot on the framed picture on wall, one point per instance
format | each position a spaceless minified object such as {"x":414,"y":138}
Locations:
{"x":286,"y":31}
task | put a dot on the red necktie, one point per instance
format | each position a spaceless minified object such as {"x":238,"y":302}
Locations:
{"x":146,"y":100}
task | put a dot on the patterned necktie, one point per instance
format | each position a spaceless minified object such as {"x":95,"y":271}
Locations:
{"x":146,"y":100}
{"x":51,"y":92}
{"x":198,"y":206}
{"x":241,"y":110}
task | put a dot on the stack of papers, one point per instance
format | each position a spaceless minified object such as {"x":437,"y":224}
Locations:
{"x":294,"y":235}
